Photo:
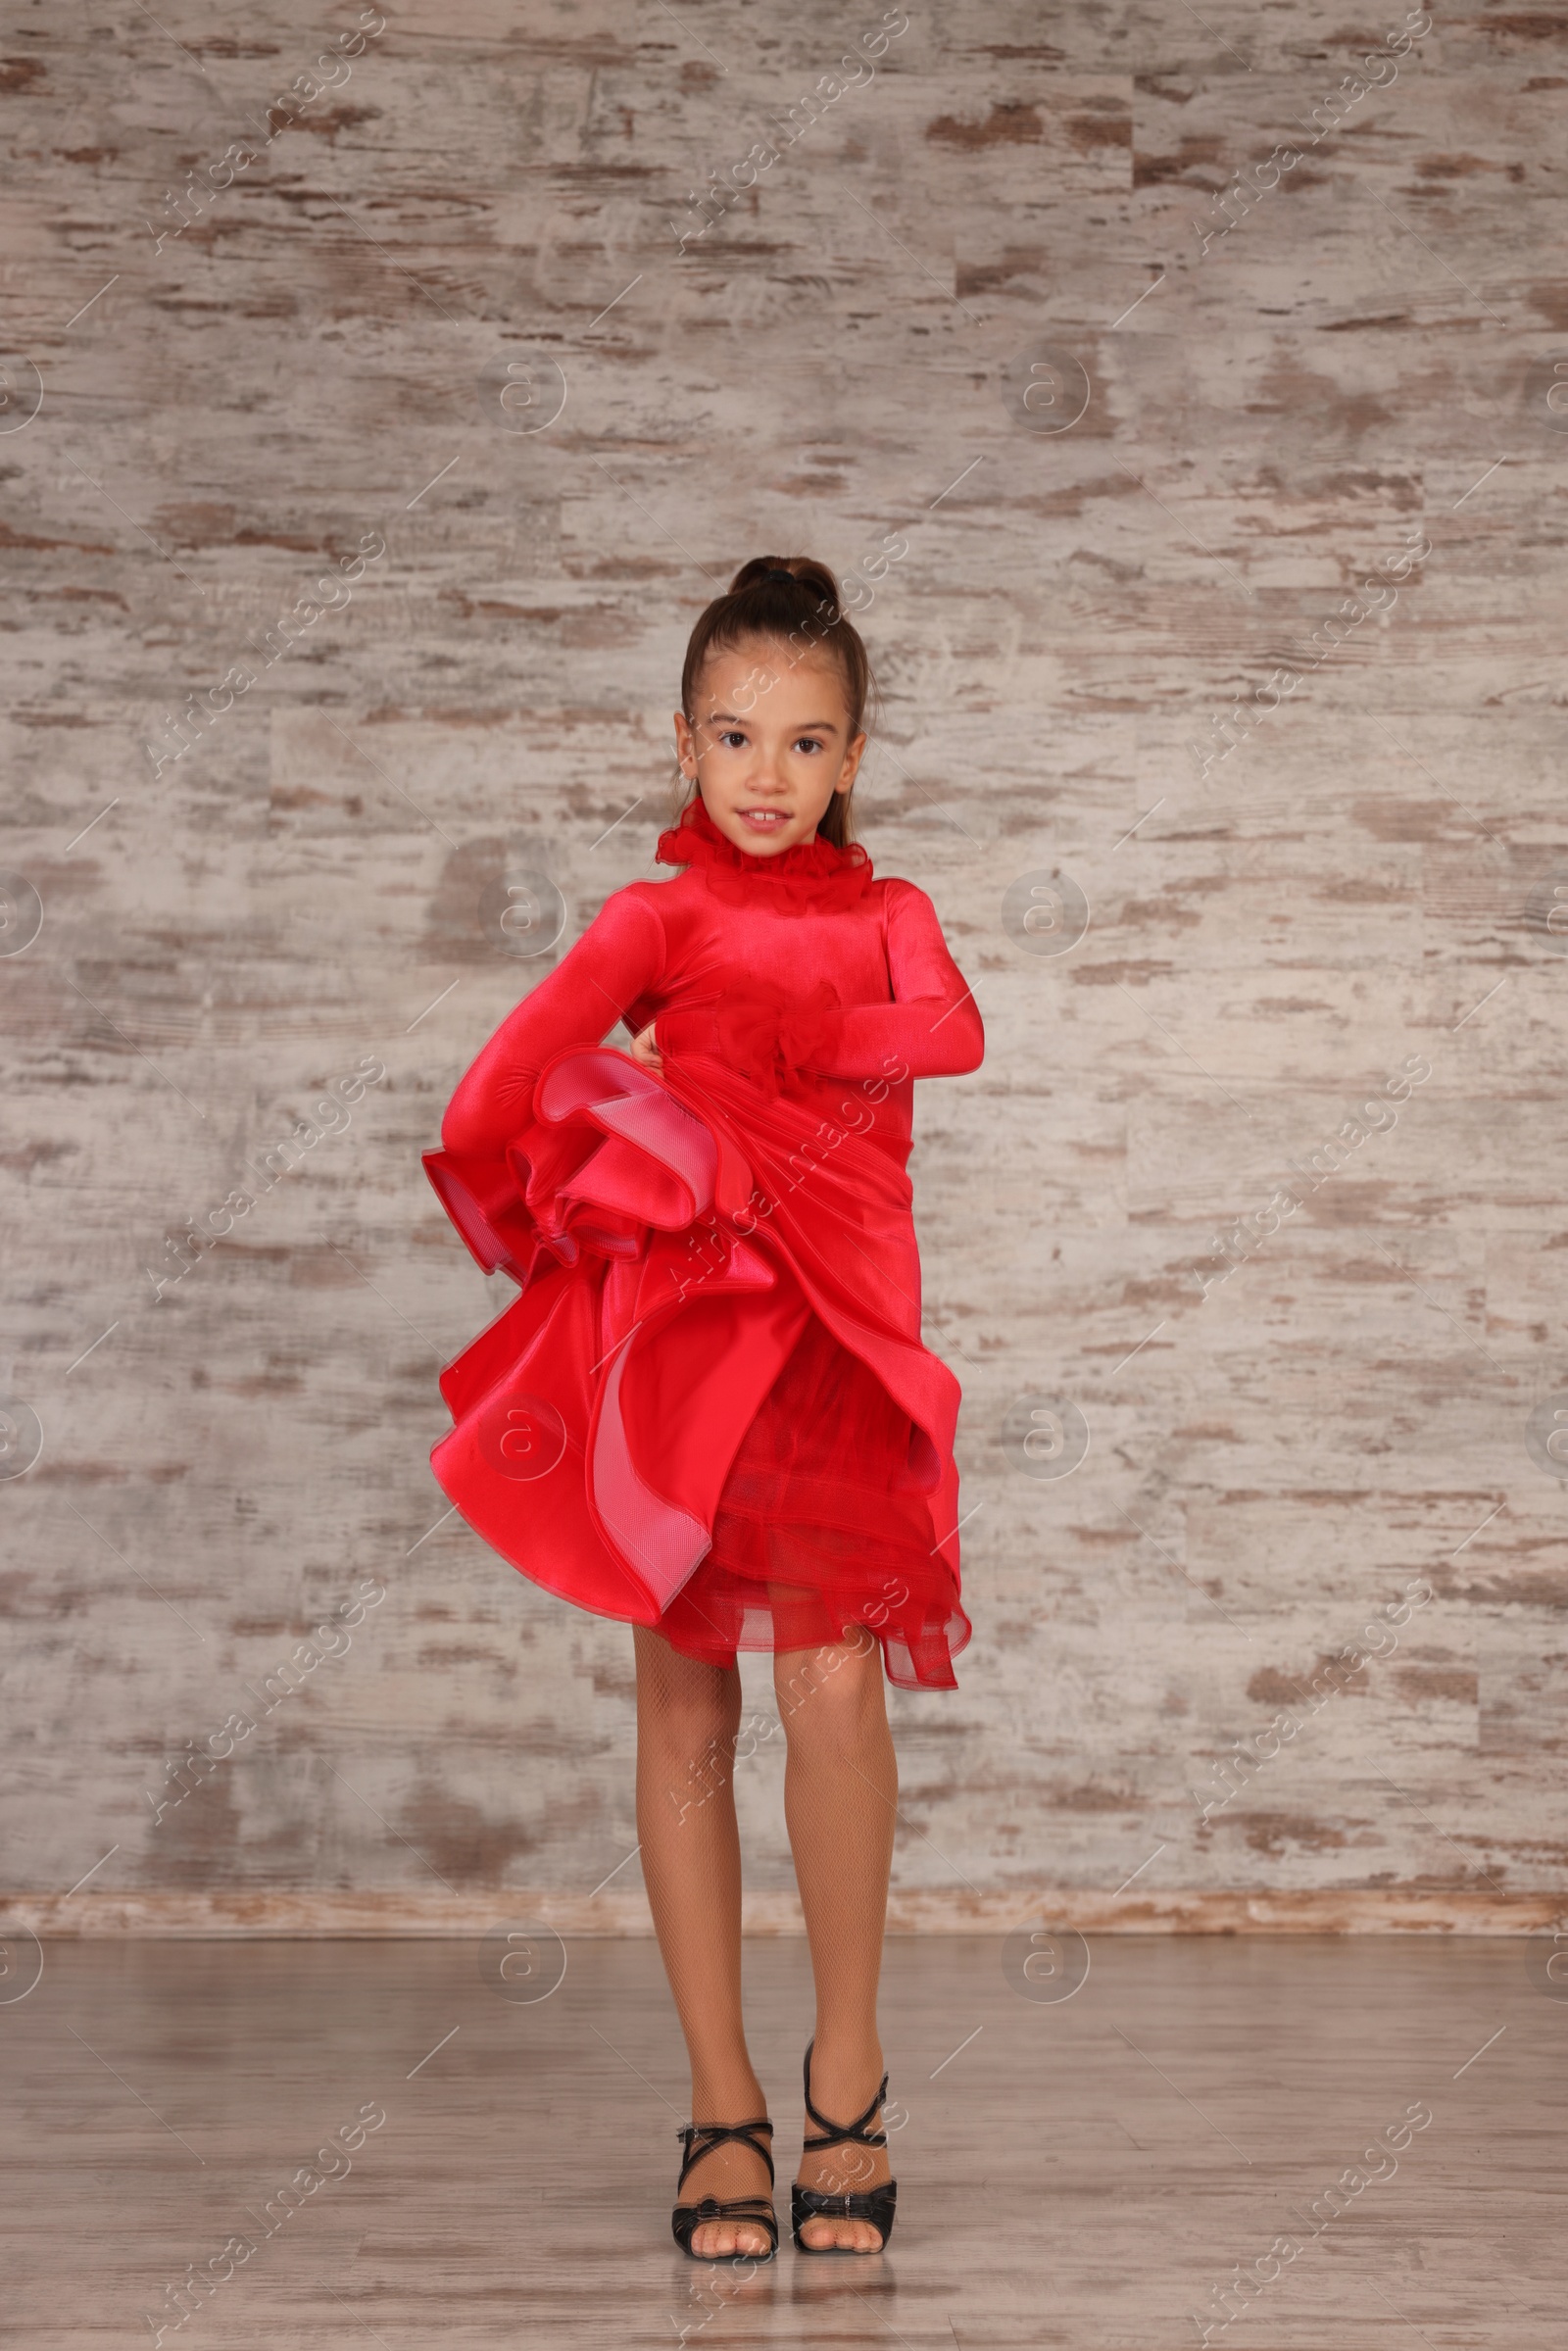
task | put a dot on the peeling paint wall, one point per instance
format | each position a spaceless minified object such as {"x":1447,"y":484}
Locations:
{"x":457,"y":377}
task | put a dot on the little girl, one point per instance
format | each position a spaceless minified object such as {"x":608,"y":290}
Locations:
{"x":710,"y":1412}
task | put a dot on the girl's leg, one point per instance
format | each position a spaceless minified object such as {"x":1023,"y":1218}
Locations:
{"x":841,"y":1786}
{"x":687,"y":1718}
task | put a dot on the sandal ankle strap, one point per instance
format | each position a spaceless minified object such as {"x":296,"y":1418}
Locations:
{"x":855,"y":2133}
{"x":716,"y":2134}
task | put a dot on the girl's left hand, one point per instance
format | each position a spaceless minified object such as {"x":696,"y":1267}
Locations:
{"x":646,"y":1051}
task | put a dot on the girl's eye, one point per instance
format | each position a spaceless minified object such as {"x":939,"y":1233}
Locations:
{"x":806,"y":743}
{"x":732,"y":734}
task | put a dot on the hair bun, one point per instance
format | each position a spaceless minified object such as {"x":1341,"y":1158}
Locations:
{"x":774,"y":572}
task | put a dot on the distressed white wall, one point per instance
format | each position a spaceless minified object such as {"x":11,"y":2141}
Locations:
{"x":314,"y":366}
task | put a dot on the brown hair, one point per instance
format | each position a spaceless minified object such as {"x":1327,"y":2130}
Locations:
{"x":796,"y":601}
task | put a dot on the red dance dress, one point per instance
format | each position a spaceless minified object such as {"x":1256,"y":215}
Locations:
{"x":709,"y":1409}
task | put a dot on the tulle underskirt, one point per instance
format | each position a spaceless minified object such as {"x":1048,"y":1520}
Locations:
{"x":824,"y":1524}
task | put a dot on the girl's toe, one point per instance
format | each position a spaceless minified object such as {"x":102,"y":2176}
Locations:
{"x":826,"y":2235}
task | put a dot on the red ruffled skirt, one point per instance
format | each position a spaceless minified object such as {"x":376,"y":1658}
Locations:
{"x":824,"y":1524}
{"x":710,"y":1411}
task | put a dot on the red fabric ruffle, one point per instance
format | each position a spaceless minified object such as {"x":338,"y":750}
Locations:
{"x":810,"y":874}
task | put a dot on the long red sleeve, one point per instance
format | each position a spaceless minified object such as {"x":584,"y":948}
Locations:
{"x":619,"y":959}
{"x":934,"y":1027}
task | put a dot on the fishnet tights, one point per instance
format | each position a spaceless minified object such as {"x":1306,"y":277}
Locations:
{"x":840,"y":1794}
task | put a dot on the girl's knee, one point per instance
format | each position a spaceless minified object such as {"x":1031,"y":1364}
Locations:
{"x":681,"y":1702}
{"x":689,"y":1719}
{"x":831,"y":1694}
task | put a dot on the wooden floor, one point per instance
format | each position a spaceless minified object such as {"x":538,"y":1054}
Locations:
{"x":1083,"y":2173}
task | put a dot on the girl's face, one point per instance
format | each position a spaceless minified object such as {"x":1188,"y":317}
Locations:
{"x":769,"y":744}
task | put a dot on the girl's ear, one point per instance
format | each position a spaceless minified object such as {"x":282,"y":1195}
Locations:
{"x":853,"y":755}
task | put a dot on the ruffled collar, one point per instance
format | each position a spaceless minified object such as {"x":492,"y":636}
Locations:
{"x":809,"y":874}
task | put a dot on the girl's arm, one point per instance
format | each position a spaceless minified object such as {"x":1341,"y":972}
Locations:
{"x":619,"y":959}
{"x":933,"y":1027}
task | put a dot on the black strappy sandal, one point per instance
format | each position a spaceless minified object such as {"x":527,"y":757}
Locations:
{"x":874,"y":2204}
{"x":700,"y":2140}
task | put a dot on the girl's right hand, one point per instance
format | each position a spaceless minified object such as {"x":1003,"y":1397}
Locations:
{"x":646,"y":1051}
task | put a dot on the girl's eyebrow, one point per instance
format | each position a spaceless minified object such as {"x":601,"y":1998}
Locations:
{"x":811,"y":727}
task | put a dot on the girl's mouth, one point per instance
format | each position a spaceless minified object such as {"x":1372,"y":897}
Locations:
{"x":762,"y":820}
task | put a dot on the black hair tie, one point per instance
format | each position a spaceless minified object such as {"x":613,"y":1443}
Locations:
{"x":773,"y":572}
